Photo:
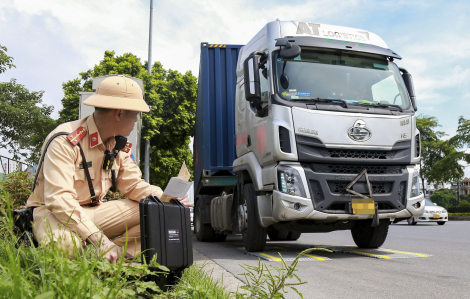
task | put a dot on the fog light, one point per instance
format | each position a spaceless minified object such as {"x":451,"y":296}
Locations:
{"x":416,"y":205}
{"x":297,"y":206}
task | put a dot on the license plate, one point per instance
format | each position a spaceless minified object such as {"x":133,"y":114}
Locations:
{"x":363,"y":206}
{"x":436,"y":216}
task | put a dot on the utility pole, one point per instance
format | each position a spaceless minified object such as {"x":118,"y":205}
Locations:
{"x":149,"y":70}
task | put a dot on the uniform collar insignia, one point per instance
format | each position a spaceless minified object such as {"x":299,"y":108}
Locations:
{"x":95,"y":138}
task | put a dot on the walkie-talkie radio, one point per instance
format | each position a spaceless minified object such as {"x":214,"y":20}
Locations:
{"x":109,"y":158}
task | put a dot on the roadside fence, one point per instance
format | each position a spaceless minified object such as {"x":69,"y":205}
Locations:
{"x":10,"y":165}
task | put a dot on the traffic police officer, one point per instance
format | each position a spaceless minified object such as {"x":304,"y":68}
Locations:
{"x":66,"y":213}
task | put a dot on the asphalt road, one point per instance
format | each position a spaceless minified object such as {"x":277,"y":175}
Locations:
{"x":444,"y":274}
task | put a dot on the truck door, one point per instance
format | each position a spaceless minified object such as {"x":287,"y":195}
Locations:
{"x":261,"y":128}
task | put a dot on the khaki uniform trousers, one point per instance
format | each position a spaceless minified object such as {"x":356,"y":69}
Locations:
{"x":113,"y":218}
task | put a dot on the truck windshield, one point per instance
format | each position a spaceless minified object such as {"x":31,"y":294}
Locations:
{"x":325,"y":75}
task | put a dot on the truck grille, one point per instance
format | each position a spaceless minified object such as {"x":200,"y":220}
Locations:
{"x":377,"y":188}
{"x":359,"y":154}
{"x":356,"y":169}
{"x":328,"y":184}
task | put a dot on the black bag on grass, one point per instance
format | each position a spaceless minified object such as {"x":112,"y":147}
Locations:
{"x":165,"y":230}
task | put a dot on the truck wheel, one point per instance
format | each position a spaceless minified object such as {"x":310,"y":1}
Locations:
{"x":254,"y":235}
{"x":204,"y":232}
{"x":293,"y":236}
{"x":366,"y":236}
{"x":278,"y":235}
{"x":411,"y":221}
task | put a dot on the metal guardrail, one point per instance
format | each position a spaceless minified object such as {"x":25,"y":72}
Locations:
{"x":10,"y":165}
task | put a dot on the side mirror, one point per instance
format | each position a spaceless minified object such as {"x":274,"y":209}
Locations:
{"x":251,"y":80}
{"x":408,"y":79}
{"x":290,"y":51}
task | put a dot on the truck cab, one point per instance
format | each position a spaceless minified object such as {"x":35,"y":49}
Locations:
{"x":315,"y":106}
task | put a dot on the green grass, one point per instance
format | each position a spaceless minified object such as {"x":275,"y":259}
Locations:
{"x":459,"y":214}
{"x":197,"y":282}
{"x":48,"y":272}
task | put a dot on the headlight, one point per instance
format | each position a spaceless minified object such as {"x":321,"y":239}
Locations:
{"x":444,"y":211}
{"x":415,"y":183}
{"x":426,"y":211}
{"x":290,"y":181}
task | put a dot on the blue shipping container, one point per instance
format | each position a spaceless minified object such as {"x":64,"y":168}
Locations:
{"x":214,"y":136}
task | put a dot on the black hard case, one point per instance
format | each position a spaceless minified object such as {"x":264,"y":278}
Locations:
{"x":165,"y":230}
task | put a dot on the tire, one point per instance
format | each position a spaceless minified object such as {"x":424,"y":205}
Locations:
{"x":293,"y":236}
{"x":366,"y":236}
{"x":278,"y":235}
{"x":441,"y":222}
{"x":204,"y":232}
{"x":411,"y":221}
{"x":254,"y":235}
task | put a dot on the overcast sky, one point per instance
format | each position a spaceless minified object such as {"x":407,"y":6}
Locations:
{"x":53,"y":40}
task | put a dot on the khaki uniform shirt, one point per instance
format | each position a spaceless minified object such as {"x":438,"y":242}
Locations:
{"x":62,"y":186}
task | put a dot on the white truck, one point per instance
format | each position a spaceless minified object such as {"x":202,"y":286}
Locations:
{"x":326,"y":139}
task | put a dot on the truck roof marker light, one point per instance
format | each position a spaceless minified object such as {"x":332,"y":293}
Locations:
{"x":360,"y":44}
{"x":345,"y":42}
{"x":328,"y":39}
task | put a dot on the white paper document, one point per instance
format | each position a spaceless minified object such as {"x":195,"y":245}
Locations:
{"x":177,"y":188}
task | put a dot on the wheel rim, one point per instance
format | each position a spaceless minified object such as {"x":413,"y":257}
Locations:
{"x":242,"y":218}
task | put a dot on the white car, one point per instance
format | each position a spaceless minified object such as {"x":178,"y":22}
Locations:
{"x":432,"y":213}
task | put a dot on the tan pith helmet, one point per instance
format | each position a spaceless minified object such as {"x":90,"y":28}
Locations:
{"x":118,"y":92}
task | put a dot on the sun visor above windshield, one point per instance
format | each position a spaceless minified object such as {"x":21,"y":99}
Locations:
{"x":308,"y":41}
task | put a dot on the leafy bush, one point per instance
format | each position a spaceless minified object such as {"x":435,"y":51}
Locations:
{"x":18,"y":187}
{"x":444,"y":197}
{"x":459,"y":214}
{"x":464,"y":207}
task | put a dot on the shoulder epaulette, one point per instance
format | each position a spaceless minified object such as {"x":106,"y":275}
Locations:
{"x":127,"y":148}
{"x":77,"y":135}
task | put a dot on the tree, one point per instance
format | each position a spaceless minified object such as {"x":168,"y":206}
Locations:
{"x":452,"y":151}
{"x":430,"y":140}
{"x":5,"y":60}
{"x":444,"y":197}
{"x":440,"y":158}
{"x":170,"y":123}
{"x":25,"y":119}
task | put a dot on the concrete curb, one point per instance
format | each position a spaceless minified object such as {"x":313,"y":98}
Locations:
{"x":231,"y":282}
{"x":459,"y":218}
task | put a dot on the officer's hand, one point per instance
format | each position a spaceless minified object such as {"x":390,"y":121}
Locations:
{"x":111,"y":251}
{"x":185,"y":201}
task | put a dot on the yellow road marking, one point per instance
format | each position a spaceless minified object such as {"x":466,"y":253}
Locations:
{"x":314,"y":256}
{"x":309,"y":255}
{"x":367,"y":253}
{"x":404,"y":252}
{"x":270,"y":256}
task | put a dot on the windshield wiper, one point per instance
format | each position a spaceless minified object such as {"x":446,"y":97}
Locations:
{"x":323,"y":100}
{"x":388,"y":105}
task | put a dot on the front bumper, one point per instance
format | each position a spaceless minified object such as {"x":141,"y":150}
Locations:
{"x":428,"y":217}
{"x":286,"y":207}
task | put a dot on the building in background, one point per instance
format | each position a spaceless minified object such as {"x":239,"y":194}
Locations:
{"x":429,"y":189}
